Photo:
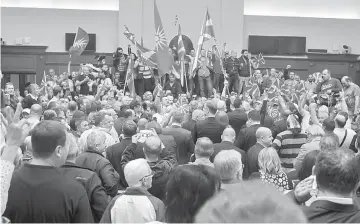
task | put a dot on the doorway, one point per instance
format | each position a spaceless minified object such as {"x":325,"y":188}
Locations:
{"x":18,"y":80}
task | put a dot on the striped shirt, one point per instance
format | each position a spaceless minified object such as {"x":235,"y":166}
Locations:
{"x":288,"y":146}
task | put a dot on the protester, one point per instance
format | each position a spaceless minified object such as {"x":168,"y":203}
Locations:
{"x":230,"y":132}
{"x":204,"y":149}
{"x":136,"y":204}
{"x":115,"y":152}
{"x":228,"y":164}
{"x":89,"y":179}
{"x":93,"y":158}
{"x":314,"y":134}
{"x":334,"y":201}
{"x":34,"y":184}
{"x":182,"y":138}
{"x":250,"y":202}
{"x":161,"y":166}
{"x":270,"y":169}
{"x":188,"y":188}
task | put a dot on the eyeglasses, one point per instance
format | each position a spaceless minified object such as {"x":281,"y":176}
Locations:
{"x":149,"y":175}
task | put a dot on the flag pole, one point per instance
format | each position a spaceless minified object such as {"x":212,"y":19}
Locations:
{"x":199,"y":46}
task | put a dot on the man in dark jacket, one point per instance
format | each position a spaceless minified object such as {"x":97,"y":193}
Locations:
{"x":232,"y":68}
{"x":209,"y":127}
{"x":227,"y":143}
{"x":190,"y":125}
{"x":114,"y":152}
{"x":92,"y":183}
{"x":238,"y":117}
{"x":334,"y":202}
{"x":173,"y":85}
{"x":94,"y":160}
{"x":161,"y":167}
{"x":245,"y":68}
{"x":38,"y":191}
{"x":246,"y":137}
{"x":182,"y":138}
{"x":263,"y":139}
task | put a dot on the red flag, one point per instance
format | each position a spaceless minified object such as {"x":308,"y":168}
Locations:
{"x":163,"y":56}
{"x":80,"y":42}
{"x":207,"y":32}
{"x":181,"y":54}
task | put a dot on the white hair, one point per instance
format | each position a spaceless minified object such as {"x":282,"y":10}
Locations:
{"x":94,"y":139}
{"x":228,"y":163}
{"x":135,"y":170}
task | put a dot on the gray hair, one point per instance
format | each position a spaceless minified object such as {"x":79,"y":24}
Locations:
{"x":94,"y":139}
{"x":204,"y":147}
{"x":228,"y":163}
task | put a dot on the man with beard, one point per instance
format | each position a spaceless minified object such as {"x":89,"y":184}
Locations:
{"x":352,"y":95}
{"x":120,"y":64}
{"x":245,"y":68}
{"x":232,"y":67}
{"x":84,"y":80}
{"x":310,"y":84}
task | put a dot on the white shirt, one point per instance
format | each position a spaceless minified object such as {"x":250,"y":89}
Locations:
{"x":340,"y":132}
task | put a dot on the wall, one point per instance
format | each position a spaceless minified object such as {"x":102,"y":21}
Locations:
{"x":320,"y":33}
{"x":48,"y":26}
{"x":226,"y":15}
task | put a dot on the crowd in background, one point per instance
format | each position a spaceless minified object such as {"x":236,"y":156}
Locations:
{"x":83,"y":147}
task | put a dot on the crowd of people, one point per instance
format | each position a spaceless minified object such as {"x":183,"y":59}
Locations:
{"x":84,"y":148}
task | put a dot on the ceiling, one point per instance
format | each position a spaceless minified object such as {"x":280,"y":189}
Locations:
{"x":344,"y":9}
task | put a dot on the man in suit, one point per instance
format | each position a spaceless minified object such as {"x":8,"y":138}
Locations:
{"x":209,"y":127}
{"x":238,"y":117}
{"x":337,"y":177}
{"x":246,"y":137}
{"x":182,"y":138}
{"x":197,"y":115}
{"x":114,"y":152}
{"x":228,"y":137}
{"x":263,"y":139}
{"x":32,"y":97}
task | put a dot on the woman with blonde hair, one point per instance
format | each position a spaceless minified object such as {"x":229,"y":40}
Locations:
{"x":270,"y":169}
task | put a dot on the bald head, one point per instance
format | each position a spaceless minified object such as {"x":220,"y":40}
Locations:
{"x":36,"y":110}
{"x":261,"y":132}
{"x":136,"y":170}
{"x":152,"y":147}
{"x":228,"y":135}
{"x":264,"y":136}
{"x":142,"y":123}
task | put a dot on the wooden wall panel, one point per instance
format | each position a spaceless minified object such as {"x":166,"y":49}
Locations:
{"x":18,"y":63}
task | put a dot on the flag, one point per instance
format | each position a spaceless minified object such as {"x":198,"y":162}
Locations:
{"x":80,"y":42}
{"x":129,"y":82}
{"x":163,"y":57}
{"x":147,"y":56}
{"x":43,"y":89}
{"x":181,"y":54}
{"x":176,"y":70}
{"x":252,"y":89}
{"x":207,"y":32}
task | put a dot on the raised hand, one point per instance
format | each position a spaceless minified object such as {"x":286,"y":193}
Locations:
{"x":17,"y":132}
